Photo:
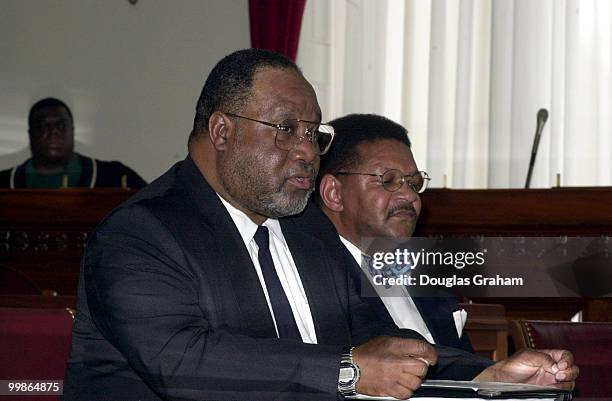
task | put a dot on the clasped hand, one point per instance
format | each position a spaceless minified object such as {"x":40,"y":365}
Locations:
{"x":553,"y":367}
{"x":392,"y":366}
{"x":396,"y":367}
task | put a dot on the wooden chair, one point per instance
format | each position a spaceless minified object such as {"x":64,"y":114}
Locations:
{"x":488,"y":329}
{"x":590,"y":342}
{"x":13,"y":282}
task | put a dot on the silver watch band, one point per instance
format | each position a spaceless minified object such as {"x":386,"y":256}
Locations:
{"x":349,"y":373}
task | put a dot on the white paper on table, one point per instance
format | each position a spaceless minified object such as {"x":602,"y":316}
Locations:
{"x":482,"y":391}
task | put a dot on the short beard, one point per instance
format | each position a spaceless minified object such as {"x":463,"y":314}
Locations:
{"x":280,"y":204}
{"x":255,"y":191}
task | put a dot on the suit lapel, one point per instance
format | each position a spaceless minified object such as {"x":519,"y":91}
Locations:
{"x":437,"y":313}
{"x":20,"y":176}
{"x":235,"y":264}
{"x":240,"y":271}
{"x":314,"y":268}
{"x":86,"y":171}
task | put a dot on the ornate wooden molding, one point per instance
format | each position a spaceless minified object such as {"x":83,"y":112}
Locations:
{"x":42,"y":240}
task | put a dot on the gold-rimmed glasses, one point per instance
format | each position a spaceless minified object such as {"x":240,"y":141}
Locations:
{"x":288,"y":134}
{"x":392,"y":180}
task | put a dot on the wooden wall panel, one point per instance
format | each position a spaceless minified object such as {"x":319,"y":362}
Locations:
{"x":43,"y":232}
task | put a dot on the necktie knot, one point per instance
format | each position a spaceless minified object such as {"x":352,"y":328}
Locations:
{"x":387,"y":270}
{"x":262,"y":238}
{"x":366,"y":260}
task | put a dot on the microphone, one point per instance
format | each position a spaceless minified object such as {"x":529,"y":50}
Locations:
{"x":542,"y":117}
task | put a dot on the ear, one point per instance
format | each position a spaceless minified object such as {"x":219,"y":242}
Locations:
{"x":220,"y":129}
{"x":330,"y":190}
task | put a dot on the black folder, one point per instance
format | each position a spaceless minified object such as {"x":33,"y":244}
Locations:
{"x":479,"y":390}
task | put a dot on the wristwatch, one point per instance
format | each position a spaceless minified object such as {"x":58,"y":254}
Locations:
{"x":349,"y":373}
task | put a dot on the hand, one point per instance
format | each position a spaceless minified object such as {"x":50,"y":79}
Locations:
{"x":392,"y":366}
{"x":543,"y":367}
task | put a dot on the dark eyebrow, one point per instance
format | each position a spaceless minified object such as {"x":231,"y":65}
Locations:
{"x":385,"y":169}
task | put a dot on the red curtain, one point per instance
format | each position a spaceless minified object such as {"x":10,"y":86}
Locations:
{"x":275,"y":25}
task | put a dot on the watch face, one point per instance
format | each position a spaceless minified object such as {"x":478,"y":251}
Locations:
{"x":347,"y":374}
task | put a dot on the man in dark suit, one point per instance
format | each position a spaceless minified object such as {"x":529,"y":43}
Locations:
{"x":197,"y":288}
{"x":367,"y":143}
{"x":369,"y":187}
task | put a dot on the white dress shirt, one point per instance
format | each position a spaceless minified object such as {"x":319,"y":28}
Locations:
{"x":285,"y":269}
{"x":396,"y":299}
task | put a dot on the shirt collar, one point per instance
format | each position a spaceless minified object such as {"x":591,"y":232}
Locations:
{"x":247,"y":227}
{"x":355,"y":252}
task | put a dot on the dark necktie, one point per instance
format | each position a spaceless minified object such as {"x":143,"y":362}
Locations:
{"x":285,"y":322}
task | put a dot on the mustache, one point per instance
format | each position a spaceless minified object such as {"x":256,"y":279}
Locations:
{"x":305,"y":169}
{"x":402,"y":206}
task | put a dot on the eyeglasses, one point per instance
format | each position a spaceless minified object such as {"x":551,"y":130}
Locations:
{"x":288,"y":134}
{"x":392,"y":180}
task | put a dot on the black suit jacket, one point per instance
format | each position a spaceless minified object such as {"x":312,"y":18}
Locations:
{"x":436,"y":311}
{"x":170,"y":306}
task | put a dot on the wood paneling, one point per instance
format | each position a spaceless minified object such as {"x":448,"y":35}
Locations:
{"x":488,"y":330}
{"x":43,"y":232}
{"x":526,"y":212}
